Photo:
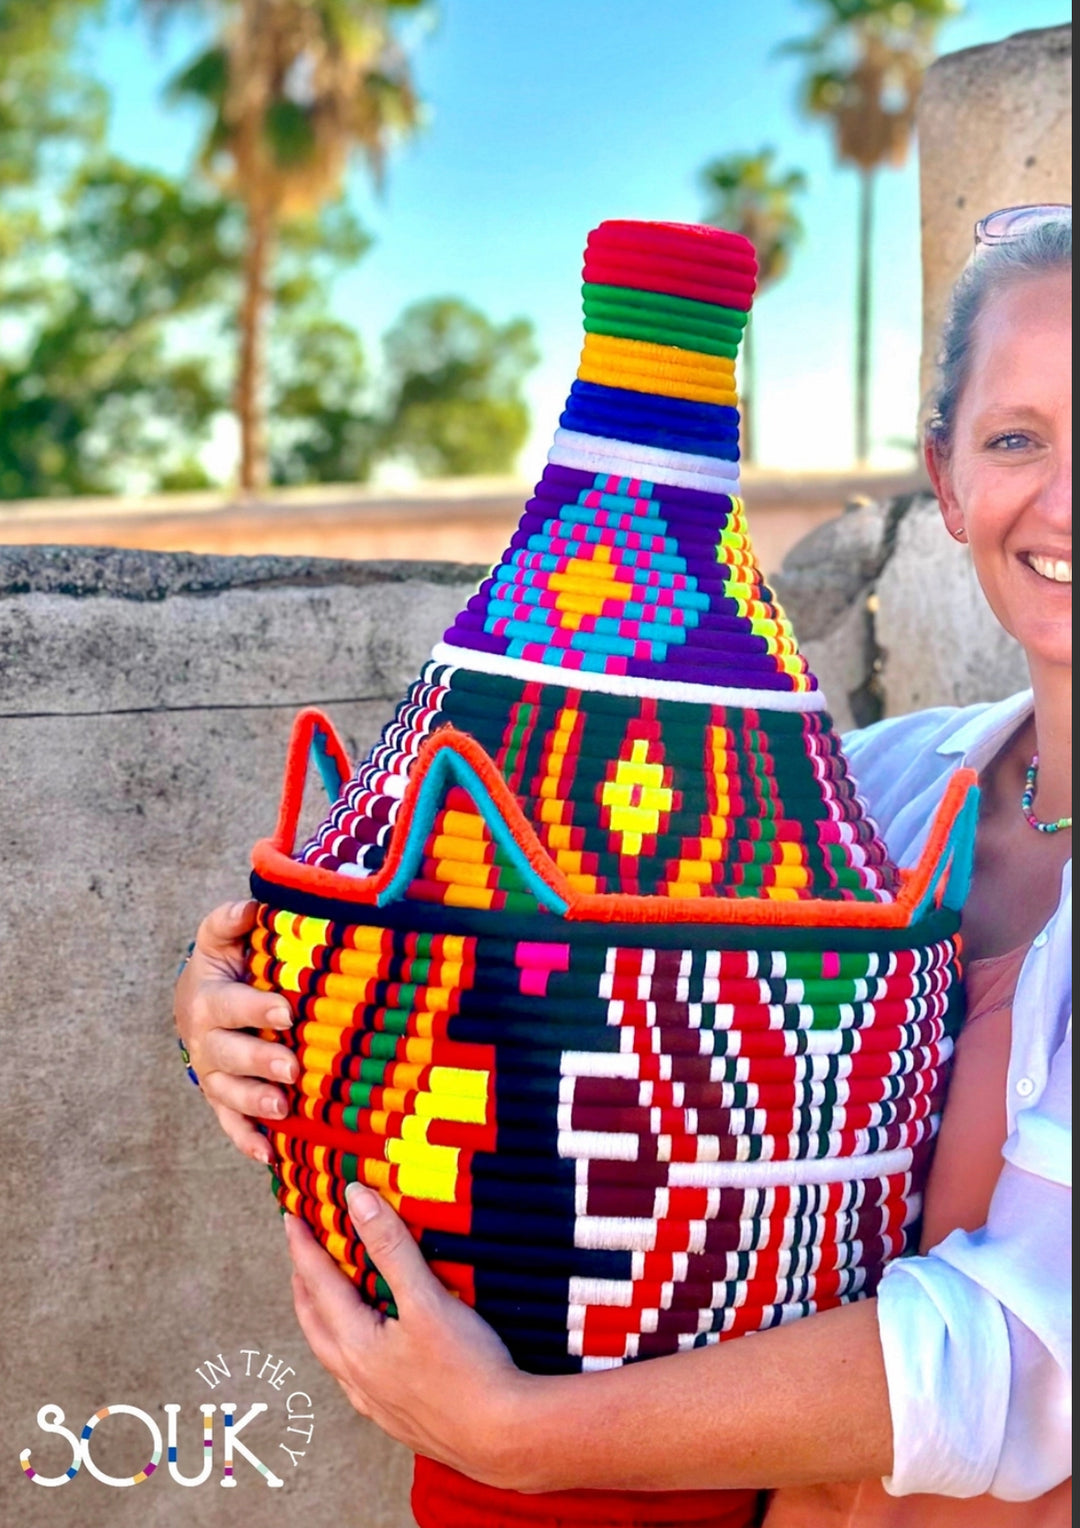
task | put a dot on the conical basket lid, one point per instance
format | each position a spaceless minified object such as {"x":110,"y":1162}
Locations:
{"x":625,"y":665}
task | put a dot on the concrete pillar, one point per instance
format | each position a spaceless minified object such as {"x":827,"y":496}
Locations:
{"x":994,"y":130}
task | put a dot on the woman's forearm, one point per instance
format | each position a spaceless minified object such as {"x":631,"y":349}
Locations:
{"x":795,"y":1405}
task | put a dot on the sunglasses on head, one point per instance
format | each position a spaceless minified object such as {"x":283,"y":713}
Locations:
{"x":1010,"y":223}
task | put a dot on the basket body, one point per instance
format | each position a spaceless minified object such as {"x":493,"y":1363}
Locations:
{"x":614,"y":1142}
{"x":601,"y":972}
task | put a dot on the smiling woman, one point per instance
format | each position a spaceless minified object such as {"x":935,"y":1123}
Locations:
{"x":997,"y":452}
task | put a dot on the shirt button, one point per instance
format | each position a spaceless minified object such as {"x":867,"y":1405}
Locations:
{"x":1025,"y":1087}
{"x":1039,"y":940}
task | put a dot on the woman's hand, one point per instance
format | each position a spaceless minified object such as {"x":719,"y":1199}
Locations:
{"x":774,"y":1411}
{"x":437,"y":1378}
{"x":213,"y":1006}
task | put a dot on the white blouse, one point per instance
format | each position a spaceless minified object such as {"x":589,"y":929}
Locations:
{"x":977,"y":1334}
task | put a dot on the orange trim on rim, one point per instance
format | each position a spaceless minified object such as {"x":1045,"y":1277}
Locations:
{"x":272,"y":857}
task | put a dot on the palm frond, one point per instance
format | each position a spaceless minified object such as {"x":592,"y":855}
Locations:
{"x":206,"y":77}
{"x":747,"y":195}
{"x":290,"y":134}
{"x":865,"y":63}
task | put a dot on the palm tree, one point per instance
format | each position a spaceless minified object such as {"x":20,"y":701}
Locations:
{"x":293,"y":88}
{"x":746,"y":196}
{"x":866,"y":63}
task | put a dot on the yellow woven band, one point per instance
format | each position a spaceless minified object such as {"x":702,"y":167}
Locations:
{"x":651,"y":382}
{"x":603,"y":347}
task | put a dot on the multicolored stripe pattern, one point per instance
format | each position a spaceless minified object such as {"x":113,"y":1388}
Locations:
{"x":631,"y":571}
{"x":606,"y":575}
{"x":615,"y":1151}
{"x":625,"y":663}
{"x":616,"y":1129}
{"x":632,"y":795}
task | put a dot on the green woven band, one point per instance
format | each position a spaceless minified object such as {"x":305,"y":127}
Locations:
{"x":688,"y":309}
{"x":688,"y":339}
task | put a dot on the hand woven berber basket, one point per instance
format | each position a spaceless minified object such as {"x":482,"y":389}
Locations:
{"x":601,"y":972}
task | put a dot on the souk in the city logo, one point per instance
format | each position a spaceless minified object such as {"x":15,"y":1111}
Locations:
{"x":265,"y":1439}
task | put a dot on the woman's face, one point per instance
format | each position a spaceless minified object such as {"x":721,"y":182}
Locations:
{"x":1006,"y":485}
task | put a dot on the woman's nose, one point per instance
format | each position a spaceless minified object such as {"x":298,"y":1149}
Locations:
{"x":1055,"y":500}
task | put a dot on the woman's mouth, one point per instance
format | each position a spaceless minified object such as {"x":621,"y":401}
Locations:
{"x":1057,"y":569}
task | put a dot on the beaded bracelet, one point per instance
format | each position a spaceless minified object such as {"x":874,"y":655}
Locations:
{"x":193,"y":1076}
{"x":185,"y":1057}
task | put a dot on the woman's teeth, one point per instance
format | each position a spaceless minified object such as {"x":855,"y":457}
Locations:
{"x":1054,"y":568}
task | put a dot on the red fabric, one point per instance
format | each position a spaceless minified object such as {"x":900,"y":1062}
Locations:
{"x":651,"y":266}
{"x":680,"y":241}
{"x":650,"y":277}
{"x":724,"y":271}
{"x":441,"y":1498}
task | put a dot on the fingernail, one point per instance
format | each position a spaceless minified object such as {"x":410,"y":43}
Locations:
{"x":279,"y":1016}
{"x":283,"y":1067}
{"x":271,"y":1104}
{"x":363,"y":1204}
{"x":238,"y":909}
{"x":264,"y":1155}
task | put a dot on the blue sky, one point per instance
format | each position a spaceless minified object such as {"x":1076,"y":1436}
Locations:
{"x":546,"y":116}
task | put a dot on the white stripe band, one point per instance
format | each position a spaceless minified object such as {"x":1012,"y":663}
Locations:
{"x":625,"y":684}
{"x":826,"y":1170}
{"x":678,"y":469}
{"x":877,"y":1164}
{"x":656,"y":456}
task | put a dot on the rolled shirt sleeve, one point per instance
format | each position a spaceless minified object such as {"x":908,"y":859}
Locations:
{"x":977,"y":1335}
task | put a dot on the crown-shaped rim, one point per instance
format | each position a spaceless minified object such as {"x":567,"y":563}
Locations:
{"x":940,"y":878}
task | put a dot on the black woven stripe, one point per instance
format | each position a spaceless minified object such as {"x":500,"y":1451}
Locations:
{"x":424,"y":917}
{"x":685,"y":715}
{"x":680,"y":719}
{"x":561,"y":1261}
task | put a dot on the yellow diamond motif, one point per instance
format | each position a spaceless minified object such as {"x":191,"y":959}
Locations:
{"x":636,"y":798}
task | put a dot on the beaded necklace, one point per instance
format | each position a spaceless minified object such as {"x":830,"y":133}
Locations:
{"x":1027,"y":800}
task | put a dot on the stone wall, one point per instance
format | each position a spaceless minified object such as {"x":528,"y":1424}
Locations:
{"x":461,"y":519}
{"x":891,"y":617}
{"x":995,"y":130}
{"x":145,"y":701}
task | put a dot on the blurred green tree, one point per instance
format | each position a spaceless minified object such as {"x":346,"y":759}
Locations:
{"x":454,"y":378}
{"x":110,"y":373}
{"x":319,"y":427}
{"x":322,"y":428}
{"x":113,"y":375}
{"x":865,"y":64}
{"x":46,"y":106}
{"x":122,"y":283}
{"x":747,"y":195}
{"x":91,"y":388}
{"x":293,"y":87}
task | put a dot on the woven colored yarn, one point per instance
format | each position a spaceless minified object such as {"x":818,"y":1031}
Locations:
{"x":601,"y":972}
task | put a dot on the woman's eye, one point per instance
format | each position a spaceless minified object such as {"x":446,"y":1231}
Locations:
{"x":1011,"y":440}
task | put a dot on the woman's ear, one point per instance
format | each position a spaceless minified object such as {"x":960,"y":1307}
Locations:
{"x":937,"y":466}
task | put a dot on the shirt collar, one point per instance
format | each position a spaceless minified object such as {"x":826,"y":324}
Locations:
{"x":989,"y":730}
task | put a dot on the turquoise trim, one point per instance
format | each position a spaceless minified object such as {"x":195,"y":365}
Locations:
{"x":326,"y":764}
{"x":957,"y":861}
{"x":449,"y":768}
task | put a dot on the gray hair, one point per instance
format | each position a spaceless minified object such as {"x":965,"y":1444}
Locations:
{"x":1040,"y":250}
